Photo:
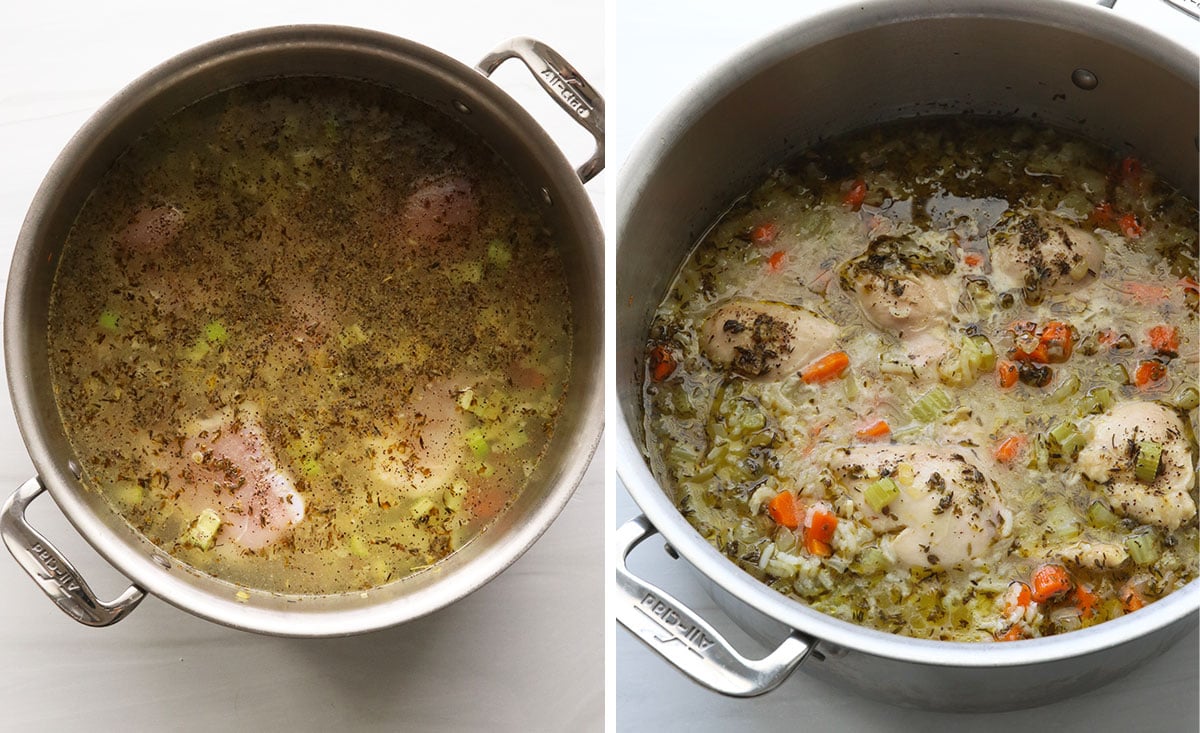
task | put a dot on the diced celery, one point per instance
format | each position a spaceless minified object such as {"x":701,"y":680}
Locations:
{"x":1099,"y":515}
{"x":932,"y":405}
{"x":215,"y":333}
{"x":421,"y":507}
{"x":197,"y":351}
{"x":357,"y":546}
{"x":1143,"y":548}
{"x":872,"y":560}
{"x":1187,"y":398}
{"x":1062,"y":523}
{"x":1069,"y":387}
{"x":1066,"y":437}
{"x":987,"y":354}
{"x":127,"y":493}
{"x":1149,"y":457}
{"x":109,"y":320}
{"x":881,"y":493}
{"x":352,"y":336}
{"x":499,"y":253}
{"x":478,"y":443}
{"x":310,"y":466}
{"x":203,"y":532}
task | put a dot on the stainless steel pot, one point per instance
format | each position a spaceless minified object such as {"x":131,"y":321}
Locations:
{"x":462,"y":93}
{"x":1084,"y":68}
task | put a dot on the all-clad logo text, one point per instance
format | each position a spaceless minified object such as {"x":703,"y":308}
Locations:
{"x":573,"y":100}
{"x":690,"y":635}
{"x":48,"y":561}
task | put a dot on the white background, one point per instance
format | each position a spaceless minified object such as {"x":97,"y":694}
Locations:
{"x":662,"y":48}
{"x":524,"y":653}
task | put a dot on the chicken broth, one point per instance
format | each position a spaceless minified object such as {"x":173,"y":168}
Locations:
{"x":939,"y":378}
{"x":309,"y":335}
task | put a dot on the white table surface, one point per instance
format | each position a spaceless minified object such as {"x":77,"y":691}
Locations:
{"x":661,"y":49}
{"x":524,"y":653}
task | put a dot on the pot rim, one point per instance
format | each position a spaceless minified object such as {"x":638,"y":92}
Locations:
{"x":295,"y":615}
{"x":1100,"y":23}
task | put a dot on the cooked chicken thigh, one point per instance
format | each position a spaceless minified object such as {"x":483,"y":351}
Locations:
{"x":947,"y":512}
{"x":765,"y":339}
{"x":1110,"y":459}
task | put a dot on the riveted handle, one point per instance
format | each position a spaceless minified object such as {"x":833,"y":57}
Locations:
{"x":565,"y":84}
{"x":688,"y":641}
{"x":56,"y":576}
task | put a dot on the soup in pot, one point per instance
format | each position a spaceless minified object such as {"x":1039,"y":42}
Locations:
{"x":939,"y":378}
{"x":309,"y":335}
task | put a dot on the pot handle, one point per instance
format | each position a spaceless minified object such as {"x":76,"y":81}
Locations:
{"x":562,"y":82}
{"x":53,"y":572}
{"x":687,"y":641}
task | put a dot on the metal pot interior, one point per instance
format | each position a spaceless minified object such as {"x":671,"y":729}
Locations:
{"x":456,"y":90}
{"x":845,"y":70}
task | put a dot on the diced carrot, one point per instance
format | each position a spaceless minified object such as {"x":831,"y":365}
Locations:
{"x":1107,"y":337}
{"x":1016,"y":632}
{"x":1149,"y":374}
{"x":820,"y":524}
{"x":1189,"y":284}
{"x":1010,"y":448}
{"x":874,"y":431}
{"x":973,"y":259}
{"x":1085,"y":600}
{"x":776,"y":260}
{"x":1059,"y":340}
{"x":1145,"y":293}
{"x":1164,"y":339}
{"x":764,"y":233}
{"x":1130,"y":226}
{"x":855,"y":196}
{"x":826,"y":368}
{"x":1007,"y":373}
{"x":662,"y":363}
{"x":1131,"y":598}
{"x":1022,"y":598}
{"x":817,"y":547}
{"x":1049,"y":581}
{"x":486,"y":499}
{"x":1039,"y":354}
{"x":783,"y":510}
{"x":1103,"y":214}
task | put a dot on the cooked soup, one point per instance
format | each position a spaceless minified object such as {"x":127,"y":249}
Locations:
{"x":939,"y":378}
{"x":309,"y":335}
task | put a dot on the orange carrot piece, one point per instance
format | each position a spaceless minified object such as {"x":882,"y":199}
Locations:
{"x":1058,"y":341}
{"x":820,"y":525}
{"x":826,"y":368}
{"x":973,"y":259}
{"x":1023,"y":597}
{"x":1016,"y":632}
{"x":855,"y":196}
{"x":1007,"y":373}
{"x":1149,"y":374}
{"x":817,"y":547}
{"x":662,"y":363}
{"x":783,"y":510}
{"x":877,"y":429}
{"x":1189,"y":284}
{"x":1164,"y":339}
{"x":764,"y":233}
{"x":776,"y":260}
{"x":1049,"y":581}
{"x":1010,"y":448}
{"x":1130,"y":226}
{"x":1085,"y":600}
{"x":1131,"y":598}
